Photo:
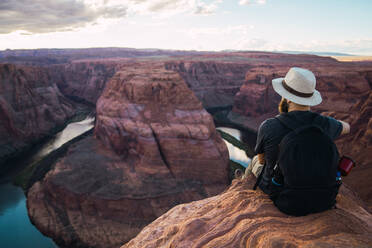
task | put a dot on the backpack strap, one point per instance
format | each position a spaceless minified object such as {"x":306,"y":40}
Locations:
{"x":282,"y":120}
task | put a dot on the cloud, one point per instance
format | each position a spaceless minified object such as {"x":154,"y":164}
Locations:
{"x":171,"y":7}
{"x":43,"y":16}
{"x":248,"y":2}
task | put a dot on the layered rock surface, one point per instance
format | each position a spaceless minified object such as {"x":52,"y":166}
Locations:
{"x":31,"y":107}
{"x":154,"y":147}
{"x":241,"y":217}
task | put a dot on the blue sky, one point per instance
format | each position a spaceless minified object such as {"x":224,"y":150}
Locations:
{"x":302,"y":25}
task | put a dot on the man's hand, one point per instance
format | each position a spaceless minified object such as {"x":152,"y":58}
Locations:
{"x":261,"y":158}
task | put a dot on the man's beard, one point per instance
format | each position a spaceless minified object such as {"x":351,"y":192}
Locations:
{"x":283,"y":106}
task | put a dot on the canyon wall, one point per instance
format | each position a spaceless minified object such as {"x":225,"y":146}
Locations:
{"x":84,"y":81}
{"x":154,"y":147}
{"x":241,"y":217}
{"x":31,"y":108}
{"x":215,"y":83}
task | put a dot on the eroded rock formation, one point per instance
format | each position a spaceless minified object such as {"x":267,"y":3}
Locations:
{"x":241,"y":217}
{"x":31,"y":107}
{"x":154,"y":147}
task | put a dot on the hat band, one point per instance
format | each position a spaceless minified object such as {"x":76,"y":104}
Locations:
{"x":295,"y":92}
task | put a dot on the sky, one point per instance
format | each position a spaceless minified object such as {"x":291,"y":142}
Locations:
{"x":343,"y":26}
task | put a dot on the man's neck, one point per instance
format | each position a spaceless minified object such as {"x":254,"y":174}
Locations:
{"x":298,"y":108}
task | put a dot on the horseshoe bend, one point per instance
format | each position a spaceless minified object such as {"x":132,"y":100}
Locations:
{"x":154,"y":172}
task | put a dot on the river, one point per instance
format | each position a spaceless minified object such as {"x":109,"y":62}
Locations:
{"x":16,"y":230}
{"x":237,"y":155}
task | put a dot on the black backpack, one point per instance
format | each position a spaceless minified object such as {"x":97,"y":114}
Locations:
{"x":304,"y":180}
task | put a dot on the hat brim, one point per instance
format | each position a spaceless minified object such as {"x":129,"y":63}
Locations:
{"x":315,"y":99}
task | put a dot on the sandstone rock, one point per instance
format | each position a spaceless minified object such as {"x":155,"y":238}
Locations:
{"x":154,"y":147}
{"x":241,"y":217}
{"x":31,"y":107}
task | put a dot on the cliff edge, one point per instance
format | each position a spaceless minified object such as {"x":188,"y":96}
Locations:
{"x":241,"y":217}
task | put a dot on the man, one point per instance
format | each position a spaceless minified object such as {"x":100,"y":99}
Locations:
{"x":298,"y":95}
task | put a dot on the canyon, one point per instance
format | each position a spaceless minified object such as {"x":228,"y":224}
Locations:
{"x":155,"y":146}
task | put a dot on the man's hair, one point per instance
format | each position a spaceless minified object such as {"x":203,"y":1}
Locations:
{"x":283,"y":106}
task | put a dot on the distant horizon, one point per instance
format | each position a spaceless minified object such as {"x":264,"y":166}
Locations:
{"x":318,"y":53}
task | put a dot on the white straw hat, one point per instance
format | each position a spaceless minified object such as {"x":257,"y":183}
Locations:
{"x":298,"y":86}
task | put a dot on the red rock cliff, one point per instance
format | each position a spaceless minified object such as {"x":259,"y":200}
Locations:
{"x":31,"y":106}
{"x":154,"y":147}
{"x":241,"y":217}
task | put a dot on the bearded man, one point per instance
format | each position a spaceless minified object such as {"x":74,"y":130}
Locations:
{"x":298,"y":94}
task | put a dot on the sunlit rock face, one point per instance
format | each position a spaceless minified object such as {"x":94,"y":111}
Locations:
{"x":31,"y":107}
{"x":241,"y":217}
{"x":154,"y":147}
